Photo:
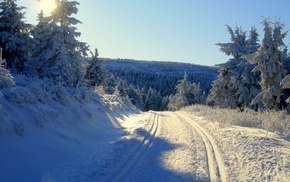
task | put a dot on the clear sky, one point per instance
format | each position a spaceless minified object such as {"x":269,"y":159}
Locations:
{"x":167,"y":30}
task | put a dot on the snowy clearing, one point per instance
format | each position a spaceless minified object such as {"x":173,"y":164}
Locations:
{"x":118,"y":144}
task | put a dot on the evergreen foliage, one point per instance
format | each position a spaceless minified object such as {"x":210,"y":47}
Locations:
{"x":95,"y":74}
{"x":286,"y":85}
{"x":6,"y":79}
{"x":153,"y":100}
{"x":269,"y":59}
{"x":63,"y":55}
{"x":286,"y":81}
{"x":14,"y":33}
{"x":40,"y":34}
{"x":160,"y":76}
{"x":236,"y":85}
{"x":186,"y":94}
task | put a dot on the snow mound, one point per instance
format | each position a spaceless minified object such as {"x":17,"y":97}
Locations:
{"x":50,"y":133}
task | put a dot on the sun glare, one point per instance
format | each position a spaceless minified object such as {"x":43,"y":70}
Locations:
{"x":46,"y":6}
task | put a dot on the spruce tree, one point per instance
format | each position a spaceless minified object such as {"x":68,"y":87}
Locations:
{"x":63,"y":54}
{"x":40,"y":34}
{"x":15,"y":37}
{"x":95,"y":74}
{"x":236,"y":85}
{"x":186,"y":94}
{"x":152,"y":100}
{"x":269,"y":64}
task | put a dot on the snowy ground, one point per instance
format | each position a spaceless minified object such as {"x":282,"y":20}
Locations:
{"x":115,"y":144}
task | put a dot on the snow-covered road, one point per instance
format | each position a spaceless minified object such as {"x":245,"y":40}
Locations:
{"x":174,"y":148}
{"x":178,"y":146}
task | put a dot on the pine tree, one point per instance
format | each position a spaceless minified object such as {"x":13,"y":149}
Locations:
{"x":135,"y":97}
{"x":153,"y":100}
{"x":164,"y":103}
{"x":15,"y":37}
{"x":182,"y":90}
{"x":40,"y":34}
{"x":269,"y":63}
{"x":63,"y":58}
{"x":186,"y":94}
{"x":95,"y":74}
{"x":236,"y":86}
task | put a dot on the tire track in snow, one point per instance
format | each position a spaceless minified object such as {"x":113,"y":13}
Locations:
{"x":215,"y":163}
{"x":124,"y":169}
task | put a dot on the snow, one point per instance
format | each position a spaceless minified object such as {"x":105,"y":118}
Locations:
{"x":69,"y":140}
{"x":107,"y":140}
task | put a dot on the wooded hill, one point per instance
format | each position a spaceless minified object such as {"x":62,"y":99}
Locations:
{"x":161,"y":76}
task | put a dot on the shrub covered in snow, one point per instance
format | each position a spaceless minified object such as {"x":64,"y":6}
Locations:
{"x":6,"y":80}
{"x":268,"y":120}
{"x":59,"y":93}
{"x":20,"y":96}
{"x":39,"y":90}
{"x":82,"y":94}
{"x":31,"y":90}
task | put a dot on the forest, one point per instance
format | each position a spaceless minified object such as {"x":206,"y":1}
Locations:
{"x":256,"y":77}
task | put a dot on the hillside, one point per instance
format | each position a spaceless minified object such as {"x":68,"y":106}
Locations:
{"x":161,"y":76}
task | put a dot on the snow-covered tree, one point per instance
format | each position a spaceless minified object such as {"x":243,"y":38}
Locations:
{"x":63,"y":55}
{"x":186,"y":94}
{"x":14,"y":35}
{"x":236,"y":85}
{"x":95,"y":74}
{"x":286,"y":81}
{"x":153,"y":100}
{"x":182,"y":91}
{"x":40,"y":34}
{"x":164,"y":103}
{"x":135,"y":97}
{"x":6,"y":80}
{"x":269,"y":63}
{"x":286,"y":85}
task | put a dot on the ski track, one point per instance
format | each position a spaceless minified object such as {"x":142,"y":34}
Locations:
{"x":124,"y":169}
{"x":215,"y":162}
{"x":178,"y":146}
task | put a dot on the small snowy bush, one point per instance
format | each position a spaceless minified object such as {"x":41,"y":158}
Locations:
{"x":6,"y":79}
{"x":40,"y":93}
{"x":83,"y":94}
{"x":60,"y":94}
{"x":19,"y":129}
{"x":22,"y":80}
{"x":20,"y":96}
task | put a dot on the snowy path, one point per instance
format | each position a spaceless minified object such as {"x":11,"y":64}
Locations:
{"x":173,"y":148}
{"x":178,"y":146}
{"x":127,"y":166}
{"x":214,"y":159}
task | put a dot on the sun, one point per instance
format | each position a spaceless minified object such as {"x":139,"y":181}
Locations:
{"x":47,"y":6}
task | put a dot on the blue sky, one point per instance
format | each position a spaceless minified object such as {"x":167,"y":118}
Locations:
{"x":168,"y":30}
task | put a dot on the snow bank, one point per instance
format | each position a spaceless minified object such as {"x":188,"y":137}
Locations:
{"x":43,"y":138}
